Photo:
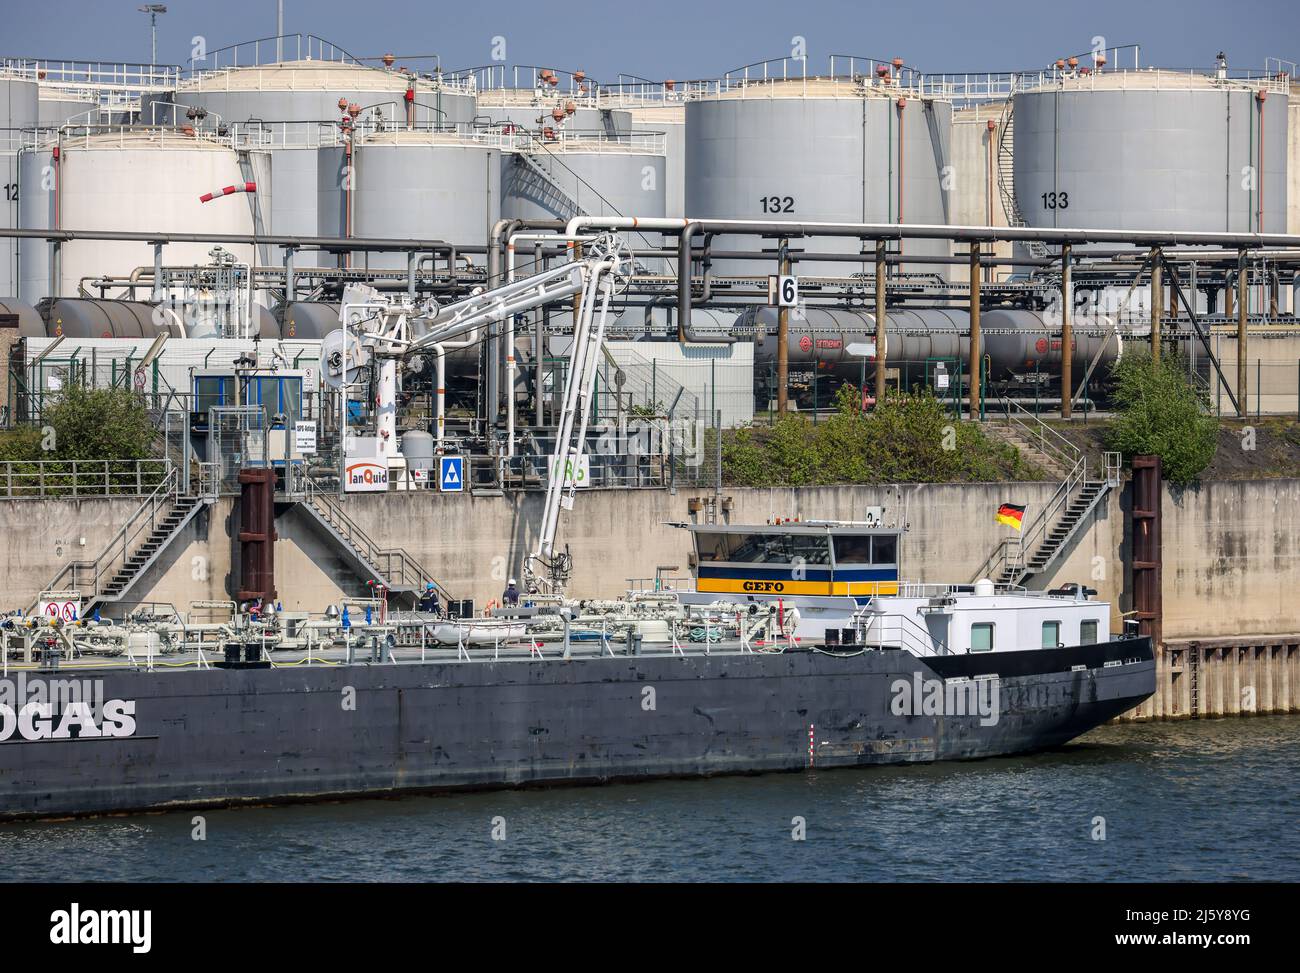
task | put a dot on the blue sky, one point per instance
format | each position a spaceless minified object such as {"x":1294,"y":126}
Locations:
{"x":668,"y":38}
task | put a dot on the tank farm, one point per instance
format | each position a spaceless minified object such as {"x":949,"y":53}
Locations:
{"x":409,"y":335}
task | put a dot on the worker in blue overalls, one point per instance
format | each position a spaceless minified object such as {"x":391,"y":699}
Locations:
{"x":429,"y":600}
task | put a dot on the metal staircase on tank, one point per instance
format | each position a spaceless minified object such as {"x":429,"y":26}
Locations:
{"x":547,"y":193}
{"x":1043,"y":539}
{"x":135,"y":548}
{"x":393,"y":568}
{"x":1007,"y":174}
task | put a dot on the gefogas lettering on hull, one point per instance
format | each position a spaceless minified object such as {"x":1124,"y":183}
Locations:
{"x":39,"y":721}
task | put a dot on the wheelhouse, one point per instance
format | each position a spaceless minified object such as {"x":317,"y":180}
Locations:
{"x":796,"y":559}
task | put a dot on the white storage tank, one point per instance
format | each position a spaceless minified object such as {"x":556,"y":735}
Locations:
{"x":847,"y":148}
{"x":667,"y":119}
{"x":19,"y":109}
{"x":284,"y":160}
{"x":138,"y":179}
{"x":61,"y":105}
{"x":310,"y":90}
{"x":542,"y":98}
{"x":1144,"y":149}
{"x":584,"y":173}
{"x":979,"y":143}
{"x":409,"y":185}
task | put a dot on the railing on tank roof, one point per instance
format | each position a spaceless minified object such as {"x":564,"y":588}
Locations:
{"x":632,"y":91}
{"x":848,"y":75}
{"x":273,"y":51}
{"x":259,"y":134}
{"x":80,"y":136}
{"x":629,"y":91}
{"x":1151,"y":79}
{"x":425,"y":64}
{"x":265,"y":51}
{"x":581,"y":140}
{"x":506,"y":137}
{"x":93,"y":75}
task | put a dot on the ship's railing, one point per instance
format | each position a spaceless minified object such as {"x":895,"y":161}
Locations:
{"x":640,"y":586}
{"x":894,"y":629}
{"x":925,"y":589}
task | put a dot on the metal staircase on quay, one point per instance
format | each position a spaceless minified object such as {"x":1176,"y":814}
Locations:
{"x":1044,"y":538}
{"x":391,"y":568}
{"x":136,"y":547}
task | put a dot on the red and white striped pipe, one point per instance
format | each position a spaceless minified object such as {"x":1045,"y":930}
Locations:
{"x":248,"y":187}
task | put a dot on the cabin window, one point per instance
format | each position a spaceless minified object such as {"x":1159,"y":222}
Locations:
{"x":811,"y":548}
{"x":757,"y":548}
{"x":1088,"y":632}
{"x":852,"y":548}
{"x":1051,"y":634}
{"x":779,"y":548}
{"x":981,"y":637}
{"x":714,"y":547}
{"x":208,"y":392}
{"x":884,"y":550}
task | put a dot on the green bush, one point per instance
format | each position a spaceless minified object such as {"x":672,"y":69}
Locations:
{"x":905,"y":439}
{"x":1158,"y":412}
{"x":82,"y":424}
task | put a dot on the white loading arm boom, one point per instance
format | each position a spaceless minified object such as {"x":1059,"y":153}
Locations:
{"x":594,"y":278}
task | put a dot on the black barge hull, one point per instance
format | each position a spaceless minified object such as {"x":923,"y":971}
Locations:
{"x":258,"y":735}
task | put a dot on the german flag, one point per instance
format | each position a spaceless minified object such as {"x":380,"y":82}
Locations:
{"x":1011,"y":514}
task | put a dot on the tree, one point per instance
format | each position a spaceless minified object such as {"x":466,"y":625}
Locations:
{"x":81,"y":424}
{"x":99,"y":423}
{"x":1158,"y":412}
{"x":904,"y":439}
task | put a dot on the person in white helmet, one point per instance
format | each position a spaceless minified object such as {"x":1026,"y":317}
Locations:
{"x":510,"y":598}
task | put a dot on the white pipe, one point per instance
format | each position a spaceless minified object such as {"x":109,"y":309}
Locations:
{"x":939,"y":231}
{"x":508,"y":343}
{"x":578,"y":387}
{"x":593,"y":355}
{"x":441,"y":361}
{"x":563,"y":428}
{"x":471,"y":318}
{"x":386,"y":406}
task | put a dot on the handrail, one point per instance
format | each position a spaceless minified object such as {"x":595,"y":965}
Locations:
{"x":1011,"y":551}
{"x":1029,"y":541}
{"x":1057,"y":447}
{"x":80,"y":478}
{"x":72,"y":575}
{"x":409,"y":572}
{"x":907,"y":628}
